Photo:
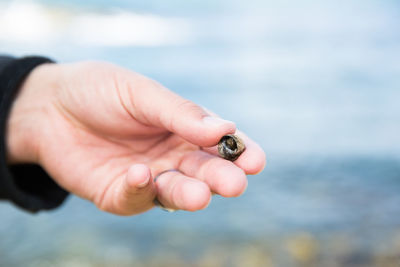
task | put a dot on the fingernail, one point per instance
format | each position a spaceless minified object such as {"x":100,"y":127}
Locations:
{"x":143,"y":184}
{"x":215,"y":121}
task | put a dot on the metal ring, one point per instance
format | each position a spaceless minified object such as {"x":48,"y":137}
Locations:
{"x":156,"y":201}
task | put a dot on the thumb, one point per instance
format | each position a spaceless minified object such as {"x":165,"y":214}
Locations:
{"x":131,"y":194}
{"x":156,"y":105}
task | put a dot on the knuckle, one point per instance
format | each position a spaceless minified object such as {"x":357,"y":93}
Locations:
{"x":184,"y":107}
{"x":187,"y":106}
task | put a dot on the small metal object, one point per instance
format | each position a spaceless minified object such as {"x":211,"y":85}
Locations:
{"x":230,"y":147}
{"x":161,"y":206}
{"x":156,"y":201}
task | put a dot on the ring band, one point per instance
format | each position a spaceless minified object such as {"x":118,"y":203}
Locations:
{"x":161,"y":173}
{"x":156,"y":201}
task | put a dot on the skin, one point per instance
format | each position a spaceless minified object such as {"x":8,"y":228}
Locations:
{"x":103,"y":133}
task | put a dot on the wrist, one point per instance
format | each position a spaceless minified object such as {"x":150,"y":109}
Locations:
{"x":27,"y":115}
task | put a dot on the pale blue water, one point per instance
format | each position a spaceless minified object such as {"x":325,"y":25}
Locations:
{"x":317,"y":84}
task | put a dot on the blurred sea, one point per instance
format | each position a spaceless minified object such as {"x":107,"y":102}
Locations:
{"x":316,"y":83}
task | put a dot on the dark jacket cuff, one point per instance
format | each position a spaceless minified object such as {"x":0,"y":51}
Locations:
{"x":28,"y":186}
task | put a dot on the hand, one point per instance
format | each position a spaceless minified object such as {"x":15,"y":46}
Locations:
{"x":103,"y":133}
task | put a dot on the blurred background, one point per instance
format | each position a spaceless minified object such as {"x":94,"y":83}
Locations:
{"x":316,"y":83}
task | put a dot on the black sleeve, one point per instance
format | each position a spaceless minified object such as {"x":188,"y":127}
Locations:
{"x":28,"y":186}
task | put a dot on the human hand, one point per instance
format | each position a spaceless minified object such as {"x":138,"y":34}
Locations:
{"x":103,"y":132}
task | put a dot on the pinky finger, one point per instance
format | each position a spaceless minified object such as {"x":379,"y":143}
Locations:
{"x":178,"y":191}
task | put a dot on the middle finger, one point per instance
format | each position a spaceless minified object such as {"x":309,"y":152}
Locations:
{"x":222,"y":176}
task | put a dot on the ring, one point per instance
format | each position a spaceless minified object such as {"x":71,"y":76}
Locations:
{"x":156,"y":201}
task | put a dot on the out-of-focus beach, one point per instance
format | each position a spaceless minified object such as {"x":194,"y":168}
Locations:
{"x":317,"y":84}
